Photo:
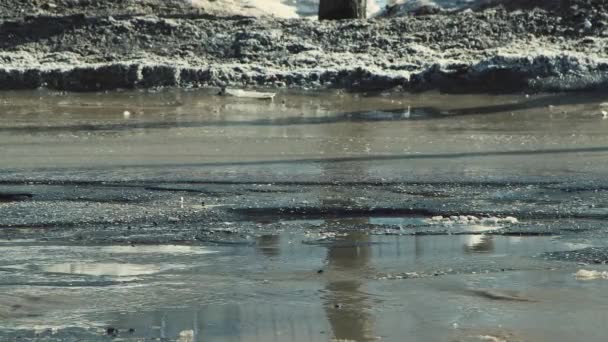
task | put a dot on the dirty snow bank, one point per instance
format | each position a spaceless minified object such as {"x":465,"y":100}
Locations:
{"x":408,"y":7}
{"x":492,"y":50}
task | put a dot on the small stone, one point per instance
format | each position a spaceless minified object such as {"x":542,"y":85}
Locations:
{"x":49,"y":6}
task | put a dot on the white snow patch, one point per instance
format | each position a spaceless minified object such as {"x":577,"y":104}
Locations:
{"x":274,"y":8}
{"x":470,"y":219}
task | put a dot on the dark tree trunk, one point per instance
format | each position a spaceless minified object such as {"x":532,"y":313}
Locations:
{"x":342,"y":9}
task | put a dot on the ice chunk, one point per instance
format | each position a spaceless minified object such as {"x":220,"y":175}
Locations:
{"x":186,"y":336}
{"x":591,"y":275}
{"x":247,"y":94}
{"x":490,"y":338}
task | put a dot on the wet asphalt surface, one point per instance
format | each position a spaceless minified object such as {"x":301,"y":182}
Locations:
{"x":113,"y":206}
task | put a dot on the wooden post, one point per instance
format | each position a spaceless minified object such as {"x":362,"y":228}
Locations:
{"x":342,"y":9}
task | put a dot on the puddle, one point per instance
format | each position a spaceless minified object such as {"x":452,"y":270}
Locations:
{"x":282,"y":289}
{"x":329,"y":155}
{"x":311,"y":136}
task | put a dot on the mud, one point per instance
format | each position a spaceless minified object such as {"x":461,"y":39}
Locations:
{"x":85,"y":46}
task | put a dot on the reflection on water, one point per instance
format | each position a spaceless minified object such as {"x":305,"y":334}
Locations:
{"x":269,"y":245}
{"x":156,"y":249}
{"x":345,"y":300}
{"x":479,"y":244}
{"x":105,"y":269}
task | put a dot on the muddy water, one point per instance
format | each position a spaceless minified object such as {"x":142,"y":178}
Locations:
{"x":191,"y":217}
